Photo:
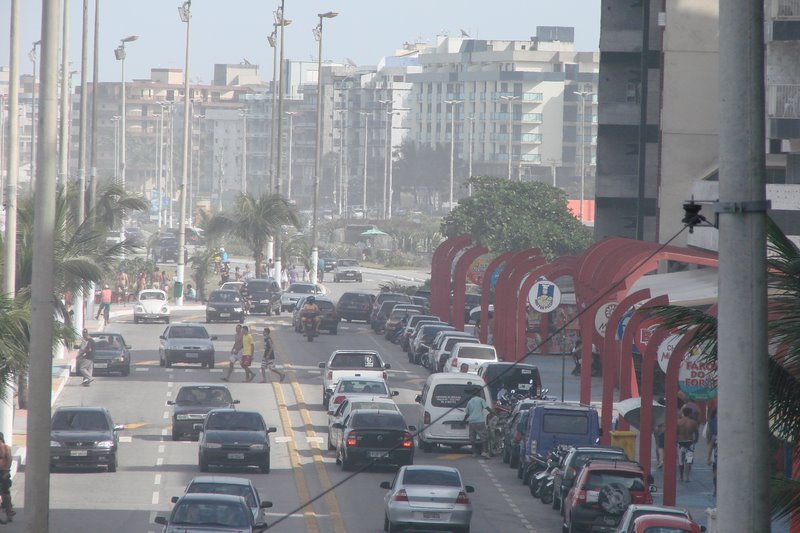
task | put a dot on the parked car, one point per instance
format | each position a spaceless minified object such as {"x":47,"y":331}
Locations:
{"x":151,"y":304}
{"x":664,"y":523}
{"x":440,"y":409}
{"x":601,"y":494}
{"x":375,"y":436}
{"x":355,"y":306}
{"x":379,"y":319}
{"x":351,"y":404}
{"x":111,"y":354}
{"x":514,"y":431}
{"x":421,"y":343}
{"x":329,"y":319}
{"x":224,"y":305}
{"x":410,"y":348}
{"x":265,"y":296}
{"x":297,"y":291}
{"x":443,"y":344}
{"x":626,"y":523}
{"x":474,"y":355}
{"x":387,"y":297}
{"x":412,"y":324}
{"x":231,"y":486}
{"x":347,"y":269}
{"x":220,"y":513}
{"x":186,"y":343}
{"x":427,"y":497}
{"x":192,"y":405}
{"x":520,"y":377}
{"x":165,"y":250}
{"x":470,"y":301}
{"x":234,"y":438}
{"x":350,"y":363}
{"x":83,"y":436}
{"x":359,"y":387}
{"x":398,"y":314}
{"x":574,"y":461}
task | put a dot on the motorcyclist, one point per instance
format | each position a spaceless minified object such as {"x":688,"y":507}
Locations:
{"x":223,"y":255}
{"x":311,"y":310}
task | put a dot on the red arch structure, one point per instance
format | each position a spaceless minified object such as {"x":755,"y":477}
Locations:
{"x":504,"y":293}
{"x":441,"y":267}
{"x":649,"y":358}
{"x":460,"y":284}
{"x":486,"y":289}
{"x":516,"y":332}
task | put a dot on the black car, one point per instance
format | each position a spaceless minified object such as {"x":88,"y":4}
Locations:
{"x":264,"y":294}
{"x":186,"y":343}
{"x":83,"y":436}
{"x":330,"y":260}
{"x":379,"y":319}
{"x":111,"y":354}
{"x":355,"y":306}
{"x":424,"y":340}
{"x":387,"y":297}
{"x":165,"y":250}
{"x":225,"y":305}
{"x":522,"y":378}
{"x":234,"y":438}
{"x":470,"y":302}
{"x":192,"y":405}
{"x":328,"y":319}
{"x":375,"y":436}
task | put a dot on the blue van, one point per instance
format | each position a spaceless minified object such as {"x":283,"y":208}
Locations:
{"x":553,"y":423}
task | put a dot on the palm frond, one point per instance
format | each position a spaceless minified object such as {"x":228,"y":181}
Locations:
{"x":784,"y":495}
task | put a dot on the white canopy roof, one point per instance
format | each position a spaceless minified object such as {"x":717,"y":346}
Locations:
{"x":687,"y":288}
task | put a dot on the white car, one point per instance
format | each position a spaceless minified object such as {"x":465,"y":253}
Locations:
{"x":299,"y":290}
{"x":151,"y":304}
{"x":363,"y":387}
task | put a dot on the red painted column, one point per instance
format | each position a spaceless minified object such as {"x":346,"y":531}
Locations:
{"x":441,"y":265}
{"x":646,"y":411}
{"x":518,"y":332}
{"x":486,"y":288}
{"x":460,"y":284}
{"x":505,"y":298}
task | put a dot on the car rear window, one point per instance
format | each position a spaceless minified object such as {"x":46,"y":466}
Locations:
{"x":359,"y":386}
{"x":222,"y":514}
{"x":204,"y":395}
{"x":224,"y":488}
{"x":301,"y":289}
{"x":477,"y":352}
{"x":80,"y":420}
{"x":455,"y":340}
{"x":391,"y":406}
{"x":568,"y":424}
{"x":414,"y":320}
{"x":350,"y":297}
{"x":441,"y":478}
{"x":235,"y":421}
{"x":188,"y":332}
{"x":665,"y":529}
{"x":378,"y":420}
{"x":356,"y":360}
{"x":347,"y":263}
{"x":599,"y":479}
{"x":451,"y":394}
{"x":259,"y":286}
{"x":224,"y":296}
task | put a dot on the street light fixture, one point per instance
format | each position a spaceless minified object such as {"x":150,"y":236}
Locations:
{"x":119,"y":53}
{"x":471,"y":119}
{"x":32,"y":55}
{"x":583,"y":95}
{"x":282,"y":21}
{"x":452,"y":104}
{"x":391,"y":164}
{"x":318,"y":155}
{"x":508,"y":100}
{"x":388,"y":152}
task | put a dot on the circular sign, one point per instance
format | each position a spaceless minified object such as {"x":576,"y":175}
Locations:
{"x":697,"y":377}
{"x":623,"y":322}
{"x":495,"y":275}
{"x":477,"y":270}
{"x":665,"y":350}
{"x":544,"y":296}
{"x":644,"y":333}
{"x":601,"y":318}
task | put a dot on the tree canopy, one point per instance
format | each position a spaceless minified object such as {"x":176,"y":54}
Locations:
{"x":508,"y":215}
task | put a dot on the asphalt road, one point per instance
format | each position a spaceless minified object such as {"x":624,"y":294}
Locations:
{"x":153,"y":468}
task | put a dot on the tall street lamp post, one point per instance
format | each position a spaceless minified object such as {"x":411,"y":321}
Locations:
{"x":471,"y":119}
{"x":318,"y":154}
{"x":291,"y":115}
{"x":185,"y":12}
{"x":243,"y":114}
{"x":342,"y":181}
{"x":452,"y":104}
{"x":366,"y":152}
{"x":387,"y":153}
{"x":283,"y":22}
{"x":583,"y":95}
{"x":508,"y":100}
{"x":63,"y":167}
{"x":391,"y":164}
{"x":115,"y":119}
{"x":32,"y":55}
{"x":120,"y":54}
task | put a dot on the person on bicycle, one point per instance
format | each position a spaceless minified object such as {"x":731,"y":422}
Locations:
{"x":105,"y":302}
{"x":310,"y":309}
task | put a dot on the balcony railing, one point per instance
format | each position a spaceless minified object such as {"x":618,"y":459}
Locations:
{"x":783,"y":101}
{"x":787,"y":9}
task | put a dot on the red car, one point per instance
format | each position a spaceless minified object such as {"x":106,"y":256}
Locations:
{"x":602,"y":492}
{"x":665,"y":524}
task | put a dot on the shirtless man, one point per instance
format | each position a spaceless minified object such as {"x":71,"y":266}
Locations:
{"x":688,"y":433}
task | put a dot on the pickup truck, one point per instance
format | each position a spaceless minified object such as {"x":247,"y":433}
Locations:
{"x":350,"y":363}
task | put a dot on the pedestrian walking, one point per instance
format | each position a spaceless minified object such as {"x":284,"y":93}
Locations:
{"x":236,"y":352}
{"x":268,"y":362}
{"x":688,"y":435}
{"x":248,"y":349}
{"x":6,"y":459}
{"x":710,"y":433}
{"x":475,"y":416}
{"x":85,"y":358}
{"x":284,"y":278}
{"x":659,"y":433}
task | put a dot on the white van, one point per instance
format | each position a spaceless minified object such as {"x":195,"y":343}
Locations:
{"x":472,"y":354}
{"x":441,"y":409}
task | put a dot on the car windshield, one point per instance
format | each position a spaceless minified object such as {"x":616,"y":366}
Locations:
{"x":258,"y":286}
{"x":188,"y":332}
{"x":350,"y":297}
{"x":224,"y":296}
{"x":476,"y":352}
{"x":571,"y":424}
{"x":204,"y":395}
{"x":301,"y":288}
{"x":348,"y":263}
{"x":108,"y":342}
{"x":356,"y":360}
{"x":414,"y":320}
{"x":444,"y":478}
{"x":235,"y":421}
{"x":211,"y":513}
{"x":224,"y":488}
{"x":357,"y":386}
{"x":152,"y":296}
{"x":378,"y":420}
{"x":599,"y":479}
{"x":451,"y":394}
{"x":80,"y":420}
{"x":324,"y":305}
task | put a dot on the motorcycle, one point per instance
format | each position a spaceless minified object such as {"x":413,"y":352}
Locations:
{"x":541,"y":479}
{"x":309,"y":327}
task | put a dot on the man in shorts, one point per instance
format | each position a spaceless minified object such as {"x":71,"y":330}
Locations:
{"x":236,"y":352}
{"x":688,"y":433}
{"x":248,"y":349}
{"x":268,"y":362}
{"x":475,"y":415}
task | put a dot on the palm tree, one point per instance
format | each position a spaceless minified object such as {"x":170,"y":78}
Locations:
{"x":253,"y":220}
{"x":783,"y":281}
{"x":201,"y":269}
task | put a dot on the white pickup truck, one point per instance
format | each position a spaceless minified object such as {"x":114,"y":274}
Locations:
{"x":350,"y":363}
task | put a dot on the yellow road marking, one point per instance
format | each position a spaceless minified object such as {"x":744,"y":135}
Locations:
{"x":146,"y":363}
{"x":135,"y":425}
{"x":452,"y":456}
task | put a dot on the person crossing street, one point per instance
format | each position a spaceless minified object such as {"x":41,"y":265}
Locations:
{"x":248,"y":348}
{"x":268,"y":362}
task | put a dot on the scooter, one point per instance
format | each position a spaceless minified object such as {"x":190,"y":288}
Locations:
{"x":310,"y":327}
{"x":539,"y":480}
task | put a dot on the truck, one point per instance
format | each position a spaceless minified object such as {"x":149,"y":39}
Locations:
{"x":350,"y":363}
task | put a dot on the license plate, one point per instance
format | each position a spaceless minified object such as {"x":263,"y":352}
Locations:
{"x":431,"y":516}
{"x":101,"y":365}
{"x":374,"y":455}
{"x":524,"y":386}
{"x":458,"y":425}
{"x":191,"y":356}
{"x":350,"y":275}
{"x":79,"y":453}
{"x":235,"y":456}
{"x":224,"y":315}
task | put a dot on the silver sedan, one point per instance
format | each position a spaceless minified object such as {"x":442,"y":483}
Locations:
{"x":428,"y":497}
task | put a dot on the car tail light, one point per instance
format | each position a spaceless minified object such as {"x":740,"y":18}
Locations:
{"x":400,"y":496}
{"x":408,"y":442}
{"x":426,"y":418}
{"x":339,"y":399}
{"x":351,"y":439}
{"x":462,"y":498}
{"x":330,"y":375}
{"x":517,"y":436}
{"x":454,"y":364}
{"x":580,"y":497}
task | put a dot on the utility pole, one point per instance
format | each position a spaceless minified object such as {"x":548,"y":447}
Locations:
{"x":281,"y":19}
{"x":32,"y":55}
{"x":93,"y":144}
{"x":37,"y":474}
{"x":366,"y":152}
{"x":742,"y":316}
{"x":386,"y":153}
{"x":244,"y":151}
{"x":65,"y":85}
{"x":471,"y":119}
{"x":185,"y":12}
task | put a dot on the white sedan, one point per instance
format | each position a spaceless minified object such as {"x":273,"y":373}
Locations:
{"x":299,"y":290}
{"x":151,"y":305}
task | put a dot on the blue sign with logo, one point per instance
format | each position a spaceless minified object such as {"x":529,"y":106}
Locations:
{"x":495,"y":275}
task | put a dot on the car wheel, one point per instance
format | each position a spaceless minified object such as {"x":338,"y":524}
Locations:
{"x":360,"y":279}
{"x":347,"y":464}
{"x":176,"y":434}
{"x":331,"y":447}
{"x":112,"y":466}
{"x":241,"y":320}
{"x":166,"y":320}
{"x":334,"y":331}
{"x":506,"y":454}
{"x":265,"y":466}
{"x":136,"y":320}
{"x":167,"y":363}
{"x":161,"y":361}
{"x":393,"y":528}
{"x":278,"y":311}
{"x":126,"y":371}
{"x":208,"y":320}
{"x":427,"y":447}
{"x":338,"y":457}
{"x":513,"y":461}
{"x":211,"y":364}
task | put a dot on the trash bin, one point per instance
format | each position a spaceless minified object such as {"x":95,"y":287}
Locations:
{"x":177,"y":290}
{"x":625,"y":440}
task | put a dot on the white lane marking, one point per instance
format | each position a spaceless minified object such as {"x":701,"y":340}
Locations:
{"x":282,"y":439}
{"x":126,"y":439}
{"x":489,"y":473}
{"x":170,"y":383}
{"x":169,"y":369}
{"x":161,"y":448}
{"x":216,"y":370}
{"x":188,"y":370}
{"x":142,"y":369}
{"x":314,"y":371}
{"x":159,"y":461}
{"x":314,"y":440}
{"x":169,"y":394}
{"x":166,"y":414}
{"x":164,"y":432}
{"x":155,"y":498}
{"x":157,"y":480}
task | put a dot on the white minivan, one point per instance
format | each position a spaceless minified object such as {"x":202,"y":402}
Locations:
{"x":441,"y":409}
{"x":474,"y":355}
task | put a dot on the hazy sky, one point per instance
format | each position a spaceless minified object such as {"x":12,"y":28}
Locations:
{"x":228,"y":31}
